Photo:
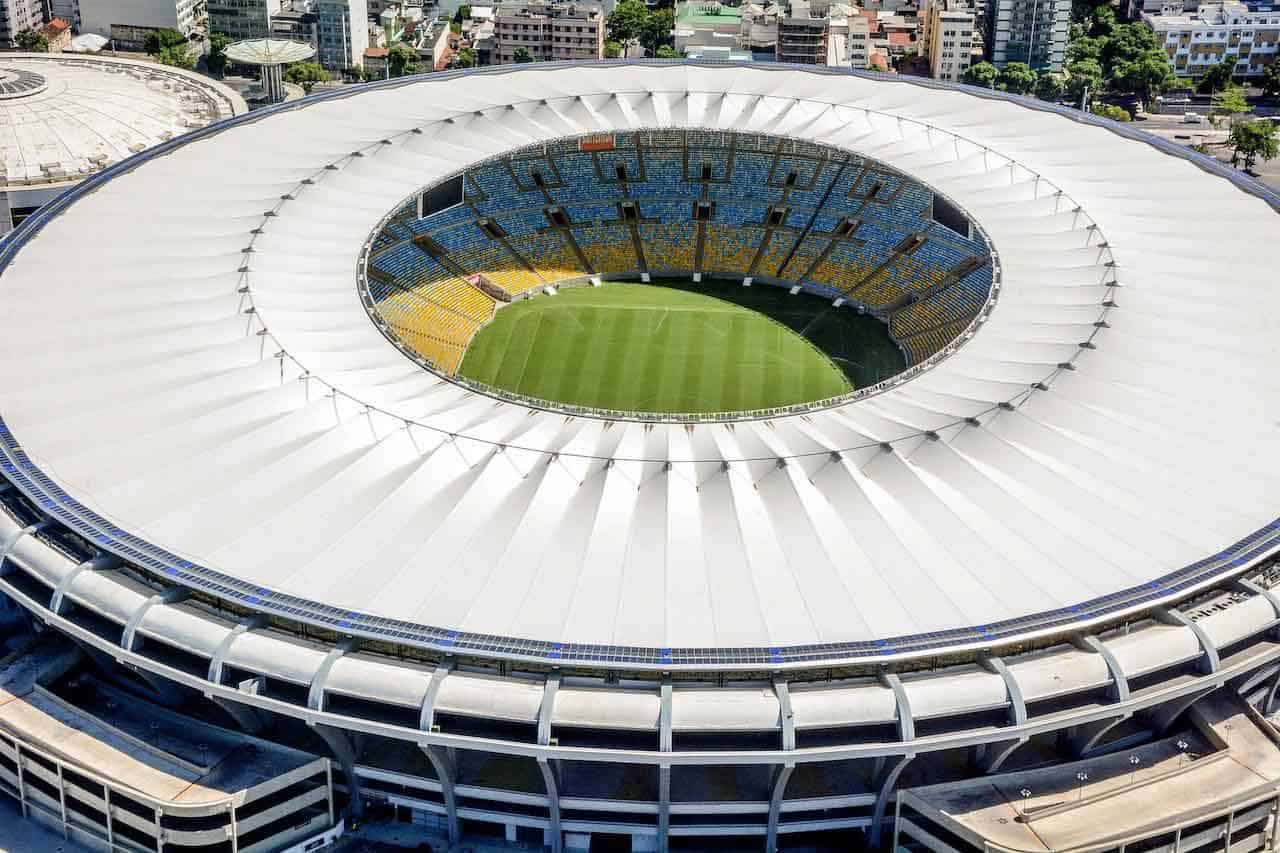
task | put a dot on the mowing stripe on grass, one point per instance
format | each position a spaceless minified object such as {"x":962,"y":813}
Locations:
{"x":658,"y":348}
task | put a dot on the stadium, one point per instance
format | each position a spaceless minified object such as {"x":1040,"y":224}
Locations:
{"x":646,"y":456}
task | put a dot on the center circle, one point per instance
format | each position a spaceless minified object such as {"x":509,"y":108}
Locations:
{"x":677,"y":274}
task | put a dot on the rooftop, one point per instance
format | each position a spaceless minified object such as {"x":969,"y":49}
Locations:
{"x":707,"y":14}
{"x":1230,"y":757}
{"x":64,"y":117}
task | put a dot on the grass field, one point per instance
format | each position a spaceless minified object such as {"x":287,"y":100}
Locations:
{"x":709,"y":347}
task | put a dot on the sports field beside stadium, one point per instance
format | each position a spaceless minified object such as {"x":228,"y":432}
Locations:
{"x":679,"y":347}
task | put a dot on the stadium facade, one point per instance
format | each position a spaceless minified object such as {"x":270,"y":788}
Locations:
{"x":1019,"y":596}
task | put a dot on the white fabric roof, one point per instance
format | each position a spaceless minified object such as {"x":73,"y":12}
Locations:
{"x":132,"y":376}
{"x":95,"y":111}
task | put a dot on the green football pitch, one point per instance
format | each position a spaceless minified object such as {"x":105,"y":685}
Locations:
{"x":681,"y":347}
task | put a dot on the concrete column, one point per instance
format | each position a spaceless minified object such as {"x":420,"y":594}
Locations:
{"x":343,"y":750}
{"x":664,"y":770}
{"x":781,"y":776}
{"x":882,"y":798}
{"x":550,"y":780}
{"x":447,"y":772}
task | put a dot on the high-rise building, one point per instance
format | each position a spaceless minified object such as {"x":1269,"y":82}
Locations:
{"x":1248,"y":31}
{"x":802,"y":34}
{"x":1030,"y":31}
{"x":126,"y":21}
{"x":947,"y":33}
{"x":19,"y":15}
{"x":242,"y":19}
{"x":342,"y":27}
{"x":549,"y":31}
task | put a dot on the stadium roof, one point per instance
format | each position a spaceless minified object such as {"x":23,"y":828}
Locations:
{"x":63,"y":116}
{"x":208,"y":396}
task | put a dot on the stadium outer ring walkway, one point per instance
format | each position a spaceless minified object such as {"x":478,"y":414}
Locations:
{"x":1218,"y":620}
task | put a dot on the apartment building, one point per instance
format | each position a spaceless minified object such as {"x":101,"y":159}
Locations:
{"x":1215,"y":31}
{"x":802,"y":34}
{"x":947,"y":34}
{"x":1030,"y":31}
{"x":549,"y":31}
{"x":749,"y":27}
{"x":127,"y":20}
{"x":342,"y":30}
{"x":242,"y":19}
{"x":19,"y":15}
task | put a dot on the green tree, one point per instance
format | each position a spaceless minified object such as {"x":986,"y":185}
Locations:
{"x":463,"y":12}
{"x":466,"y":58}
{"x":158,"y":40}
{"x":1083,"y":77}
{"x":657,"y":30}
{"x":666,"y":51}
{"x":612,"y":50}
{"x":1084,"y":48}
{"x":1146,"y":75}
{"x":523,"y":55}
{"x":627,"y":21}
{"x":1126,"y":43}
{"x":402,"y":61}
{"x":306,"y":74}
{"x":1017,"y":77}
{"x":178,"y":55}
{"x":1217,"y":76}
{"x":1112,"y":112}
{"x":216,"y":61}
{"x":1254,"y":139}
{"x":1081,"y":10}
{"x":982,"y":74}
{"x":1050,"y":86}
{"x":32,"y":41}
{"x":1104,"y":21}
{"x":1270,"y":81}
{"x":1231,"y":102}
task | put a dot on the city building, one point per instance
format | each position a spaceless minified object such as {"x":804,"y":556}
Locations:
{"x":701,"y":25}
{"x":749,"y":28}
{"x":719,"y":53}
{"x":1030,"y":31}
{"x":342,"y":33}
{"x":1024,"y":597}
{"x":549,"y":31}
{"x":377,"y":62}
{"x":1249,"y":32}
{"x":126,"y":22}
{"x":859,"y":44}
{"x":58,"y":34}
{"x":297,"y":23}
{"x":802,"y":33}
{"x":242,"y":20}
{"x":948,"y":32}
{"x":19,"y":15}
{"x":79,"y":114}
{"x":67,"y":10}
{"x":431,"y":39}
{"x":484,"y":41}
